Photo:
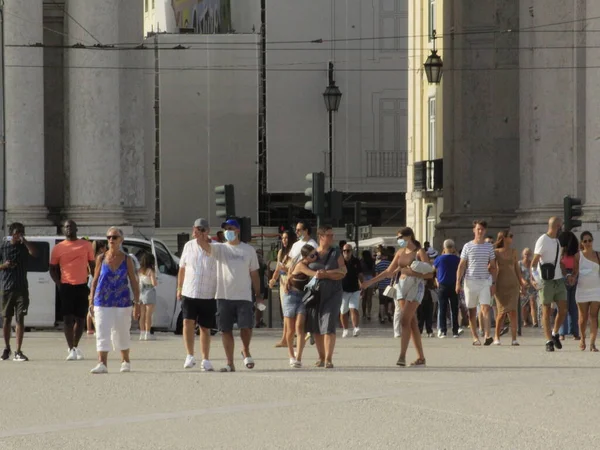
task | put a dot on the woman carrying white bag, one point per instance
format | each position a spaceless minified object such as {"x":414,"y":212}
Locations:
{"x":411,"y":259}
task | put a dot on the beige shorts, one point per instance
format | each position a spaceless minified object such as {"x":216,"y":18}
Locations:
{"x":477,"y":292}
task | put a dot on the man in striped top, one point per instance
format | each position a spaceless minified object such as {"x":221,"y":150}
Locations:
{"x":477,"y":262}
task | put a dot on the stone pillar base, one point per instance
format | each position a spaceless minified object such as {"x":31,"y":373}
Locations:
{"x":103,"y":218}
{"x":30,"y":216}
{"x":530,"y":224}
{"x":459,"y":227}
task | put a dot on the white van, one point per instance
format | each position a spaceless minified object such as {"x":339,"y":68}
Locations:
{"x":44,"y":309}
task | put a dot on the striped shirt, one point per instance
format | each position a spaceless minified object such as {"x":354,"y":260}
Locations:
{"x":478,"y":257}
{"x":14,"y":277}
{"x":381,"y":267}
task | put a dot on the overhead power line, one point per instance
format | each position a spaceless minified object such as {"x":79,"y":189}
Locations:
{"x":76,"y":21}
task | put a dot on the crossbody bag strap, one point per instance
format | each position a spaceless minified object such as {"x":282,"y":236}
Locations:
{"x":557,"y":250}
{"x":328,"y":256}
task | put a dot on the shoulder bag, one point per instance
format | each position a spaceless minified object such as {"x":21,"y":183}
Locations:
{"x":312,"y":295}
{"x":548,"y":270}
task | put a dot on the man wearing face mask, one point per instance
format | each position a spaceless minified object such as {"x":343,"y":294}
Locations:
{"x":303,"y":232}
{"x":237,"y":277}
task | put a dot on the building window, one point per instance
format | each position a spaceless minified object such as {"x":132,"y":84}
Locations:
{"x":393,"y":23}
{"x":432,"y":129}
{"x":431,"y":18}
{"x":146,"y":5}
{"x":153,"y":4}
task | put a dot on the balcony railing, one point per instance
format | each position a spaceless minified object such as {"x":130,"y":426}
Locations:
{"x":386,"y":164}
{"x":429,"y":175}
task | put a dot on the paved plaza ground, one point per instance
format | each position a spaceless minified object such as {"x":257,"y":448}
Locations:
{"x":467,"y":397}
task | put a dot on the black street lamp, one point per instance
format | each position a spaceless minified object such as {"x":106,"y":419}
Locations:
{"x":333,"y":98}
{"x":434,"y":65}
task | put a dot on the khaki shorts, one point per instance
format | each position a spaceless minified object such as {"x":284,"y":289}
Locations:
{"x":553,"y":291}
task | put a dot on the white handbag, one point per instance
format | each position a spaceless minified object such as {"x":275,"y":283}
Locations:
{"x":390,"y":291}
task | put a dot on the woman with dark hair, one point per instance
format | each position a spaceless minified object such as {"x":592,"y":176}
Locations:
{"x":148,"y":283}
{"x":410,"y":291}
{"x":367,"y":264}
{"x":330,"y":268}
{"x":570,"y":245}
{"x":288,"y":239}
{"x":294,"y":311}
{"x":586,"y":268}
{"x":508,"y":285}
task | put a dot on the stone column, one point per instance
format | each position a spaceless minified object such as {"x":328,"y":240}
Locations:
{"x":553,"y":114}
{"x":481,"y":116}
{"x":24,"y":113}
{"x":95,"y":196}
{"x":132,"y":104}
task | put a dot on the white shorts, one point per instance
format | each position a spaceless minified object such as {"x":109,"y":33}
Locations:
{"x":112,"y":324}
{"x":477,"y":292}
{"x":350,"y":300}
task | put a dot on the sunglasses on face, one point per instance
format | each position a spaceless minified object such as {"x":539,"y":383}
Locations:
{"x":347,"y":251}
{"x":312,"y":255}
{"x":112,"y":237}
{"x":200,"y":229}
{"x":587,"y":241}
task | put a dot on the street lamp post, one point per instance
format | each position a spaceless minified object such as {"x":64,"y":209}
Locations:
{"x":434,"y":65}
{"x":332,"y":97}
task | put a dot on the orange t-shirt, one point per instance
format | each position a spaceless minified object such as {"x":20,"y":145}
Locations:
{"x":73,"y":258}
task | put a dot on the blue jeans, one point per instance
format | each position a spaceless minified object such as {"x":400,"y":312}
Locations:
{"x":571,"y":324}
{"x":447,"y":295}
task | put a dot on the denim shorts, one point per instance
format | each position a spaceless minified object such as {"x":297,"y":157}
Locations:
{"x":292,"y":304}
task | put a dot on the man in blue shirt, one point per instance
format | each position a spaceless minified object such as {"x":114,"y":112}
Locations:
{"x":446,"y":266}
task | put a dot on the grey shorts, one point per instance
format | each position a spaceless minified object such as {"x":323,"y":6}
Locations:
{"x":148,"y":296}
{"x":292,"y":304}
{"x":234,"y":311}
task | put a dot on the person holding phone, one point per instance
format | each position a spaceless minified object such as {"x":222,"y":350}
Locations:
{"x":14,"y":255}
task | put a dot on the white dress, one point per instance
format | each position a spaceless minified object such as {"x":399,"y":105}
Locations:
{"x":588,"y":285}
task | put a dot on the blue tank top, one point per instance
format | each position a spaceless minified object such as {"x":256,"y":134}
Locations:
{"x":112,"y":290}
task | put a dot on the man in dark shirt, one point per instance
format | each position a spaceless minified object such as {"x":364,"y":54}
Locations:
{"x":351,"y":294}
{"x":14,"y":255}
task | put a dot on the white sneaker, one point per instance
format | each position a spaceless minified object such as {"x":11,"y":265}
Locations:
{"x":461,"y":330}
{"x":72,"y":356}
{"x":293,"y":362}
{"x":100,"y":368}
{"x":440,"y":334}
{"x":125,"y":367}
{"x":79,"y":354}
{"x":206,"y":365}
{"x":190,"y":362}
{"x":345,"y":333}
{"x":356,"y":332}
{"x":397,"y":336}
{"x":142,"y":335}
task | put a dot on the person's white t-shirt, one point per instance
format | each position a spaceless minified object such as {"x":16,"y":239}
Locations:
{"x":297,"y":247}
{"x":200,"y":280}
{"x":234,"y":264}
{"x":546,"y":248}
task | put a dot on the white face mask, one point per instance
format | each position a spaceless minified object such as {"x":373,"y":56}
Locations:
{"x":402,"y":243}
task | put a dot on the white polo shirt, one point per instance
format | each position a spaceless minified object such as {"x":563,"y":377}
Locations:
{"x":200,"y":272}
{"x":297,"y":247}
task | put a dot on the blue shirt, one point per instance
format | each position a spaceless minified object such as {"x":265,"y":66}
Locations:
{"x":381,"y":267}
{"x":446,"y":267}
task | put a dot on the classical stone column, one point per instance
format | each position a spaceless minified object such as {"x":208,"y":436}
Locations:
{"x":481,"y":116}
{"x":95,"y":196}
{"x":24,"y":113}
{"x":553,"y":114}
{"x":132,"y":104}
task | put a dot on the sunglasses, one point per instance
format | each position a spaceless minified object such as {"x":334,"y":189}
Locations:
{"x":113,"y":237}
{"x":347,"y":251}
{"x":587,"y":241}
{"x":200,"y":229}
{"x":312,"y":255}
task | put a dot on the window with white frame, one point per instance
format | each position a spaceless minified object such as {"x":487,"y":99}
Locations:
{"x":432,"y":128}
{"x":431,"y":18}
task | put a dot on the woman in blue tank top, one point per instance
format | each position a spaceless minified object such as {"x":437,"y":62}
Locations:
{"x":110,"y":301}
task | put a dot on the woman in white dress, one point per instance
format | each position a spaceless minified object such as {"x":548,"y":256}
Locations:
{"x":587,"y":268}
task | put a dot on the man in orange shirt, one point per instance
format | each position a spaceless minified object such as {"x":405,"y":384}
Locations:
{"x":69,"y":269}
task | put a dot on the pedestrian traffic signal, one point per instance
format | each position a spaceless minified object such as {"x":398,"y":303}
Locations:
{"x":360,"y":214}
{"x":316,"y":193}
{"x":336,"y":207}
{"x":225,"y":197}
{"x":571,"y":210}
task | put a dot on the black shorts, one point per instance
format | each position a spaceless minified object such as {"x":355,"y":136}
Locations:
{"x":203,"y":311}
{"x":74,"y":300}
{"x":384,"y":300}
{"x":235,"y":311}
{"x":15,"y":303}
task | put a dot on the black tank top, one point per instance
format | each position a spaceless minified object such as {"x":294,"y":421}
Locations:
{"x":299,"y":281}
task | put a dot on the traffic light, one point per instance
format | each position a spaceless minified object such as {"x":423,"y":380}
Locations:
{"x":360,"y":214}
{"x":225,"y":197}
{"x":316,"y":193}
{"x":350,"y":231}
{"x":572,"y":210}
{"x":336,"y":208}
